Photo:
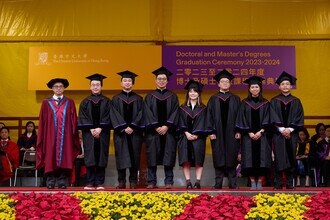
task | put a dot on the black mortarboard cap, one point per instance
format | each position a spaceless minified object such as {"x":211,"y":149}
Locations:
{"x":97,"y":77}
{"x":286,"y":76}
{"x":128,"y":74}
{"x":254,"y":80}
{"x":223,"y":74}
{"x":65,"y":82}
{"x":192,"y":84}
{"x":162,"y":70}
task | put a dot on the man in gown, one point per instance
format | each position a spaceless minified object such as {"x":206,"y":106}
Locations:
{"x":222,"y":110}
{"x":94,"y":122}
{"x":161,"y":118}
{"x":58,"y":141}
{"x":128,"y":136}
{"x":9,"y":155}
{"x":287,"y":115}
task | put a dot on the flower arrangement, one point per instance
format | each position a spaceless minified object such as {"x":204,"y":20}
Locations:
{"x":279,"y":206}
{"x":47,"y":206}
{"x":161,"y":205}
{"x":133,"y":206}
{"x":319,"y":206}
{"x":217,"y":207}
{"x":7,"y":212}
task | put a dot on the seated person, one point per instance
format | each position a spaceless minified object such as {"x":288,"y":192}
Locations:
{"x":9,"y":158}
{"x":27,"y":141}
{"x":78,"y":176}
{"x":323,"y":158}
{"x":304,"y":146}
{"x":320,"y":130}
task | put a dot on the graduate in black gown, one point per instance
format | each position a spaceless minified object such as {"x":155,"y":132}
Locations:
{"x":222,"y":110}
{"x":94,"y":122}
{"x":191,"y":145}
{"x":287,"y":115}
{"x":128,"y":137}
{"x":161,"y":119}
{"x":253,"y":123}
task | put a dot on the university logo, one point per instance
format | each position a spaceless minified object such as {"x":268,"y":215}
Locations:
{"x":43,"y":58}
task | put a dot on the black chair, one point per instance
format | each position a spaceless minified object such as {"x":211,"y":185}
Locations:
{"x":28,"y":159}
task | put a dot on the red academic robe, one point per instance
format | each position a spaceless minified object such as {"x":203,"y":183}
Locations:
{"x":10,"y":159}
{"x":58,"y":142}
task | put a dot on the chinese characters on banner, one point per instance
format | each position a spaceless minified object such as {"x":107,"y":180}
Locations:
{"x":201,"y":63}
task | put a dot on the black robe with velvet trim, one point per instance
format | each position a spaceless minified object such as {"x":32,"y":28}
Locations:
{"x":286,"y":111}
{"x":222,"y":110}
{"x":128,"y":147}
{"x":256,"y":155}
{"x":161,"y":108}
{"x":94,"y":112}
{"x":192,"y":121}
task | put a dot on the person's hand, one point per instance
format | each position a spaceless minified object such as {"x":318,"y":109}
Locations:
{"x":286,"y":133}
{"x":251,"y":135}
{"x":32,"y":148}
{"x":190,"y":137}
{"x":163,"y":130}
{"x":239,"y":157}
{"x":273,"y":156}
{"x":257,"y":135}
{"x":80,"y":156}
{"x":213,"y":137}
{"x":96,"y":132}
{"x":238,"y":135}
{"x":129,"y":130}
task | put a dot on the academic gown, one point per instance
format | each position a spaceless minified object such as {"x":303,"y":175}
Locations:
{"x":128,"y":147}
{"x":286,"y":111}
{"x":58,"y":141}
{"x":94,"y":112}
{"x":222,"y":110}
{"x":253,"y":116}
{"x":161,"y":108}
{"x":9,"y":157}
{"x":192,"y":121}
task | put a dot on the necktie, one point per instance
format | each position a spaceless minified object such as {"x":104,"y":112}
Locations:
{"x":58,"y":101}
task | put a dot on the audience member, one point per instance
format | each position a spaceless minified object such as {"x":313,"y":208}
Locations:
{"x":9,"y":156}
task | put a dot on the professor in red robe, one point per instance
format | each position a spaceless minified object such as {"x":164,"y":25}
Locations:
{"x":58,"y":142}
{"x":9,"y":156}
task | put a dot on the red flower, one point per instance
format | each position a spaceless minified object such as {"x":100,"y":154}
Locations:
{"x":47,"y":206}
{"x":319,"y":205}
{"x":217,"y":207}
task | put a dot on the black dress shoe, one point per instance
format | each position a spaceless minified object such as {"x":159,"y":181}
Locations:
{"x":197,"y":185}
{"x":62,"y":186}
{"x":189,"y":185}
{"x":289,"y":187}
{"x":50,"y":186}
{"x":278,"y":187}
{"x":217,"y":186}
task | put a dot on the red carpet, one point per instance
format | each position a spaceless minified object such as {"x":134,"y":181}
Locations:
{"x":225,"y":190}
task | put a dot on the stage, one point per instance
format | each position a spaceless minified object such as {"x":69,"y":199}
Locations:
{"x":210,"y":191}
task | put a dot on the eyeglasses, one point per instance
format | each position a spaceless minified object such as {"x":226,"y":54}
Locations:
{"x":161,"y":79}
{"x":58,"y":87}
{"x":224,"y":81}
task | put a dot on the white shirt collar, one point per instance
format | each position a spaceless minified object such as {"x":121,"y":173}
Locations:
{"x":56,"y":97}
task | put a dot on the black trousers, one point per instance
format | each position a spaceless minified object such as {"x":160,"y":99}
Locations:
{"x":152,"y":175}
{"x":133,"y":175}
{"x":289,"y":174}
{"x":95,"y":175}
{"x":220,"y":173}
{"x":59,"y":176}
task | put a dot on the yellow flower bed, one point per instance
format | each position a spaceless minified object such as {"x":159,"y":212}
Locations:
{"x":133,"y":206}
{"x":7,"y":211}
{"x":278,"y":206}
